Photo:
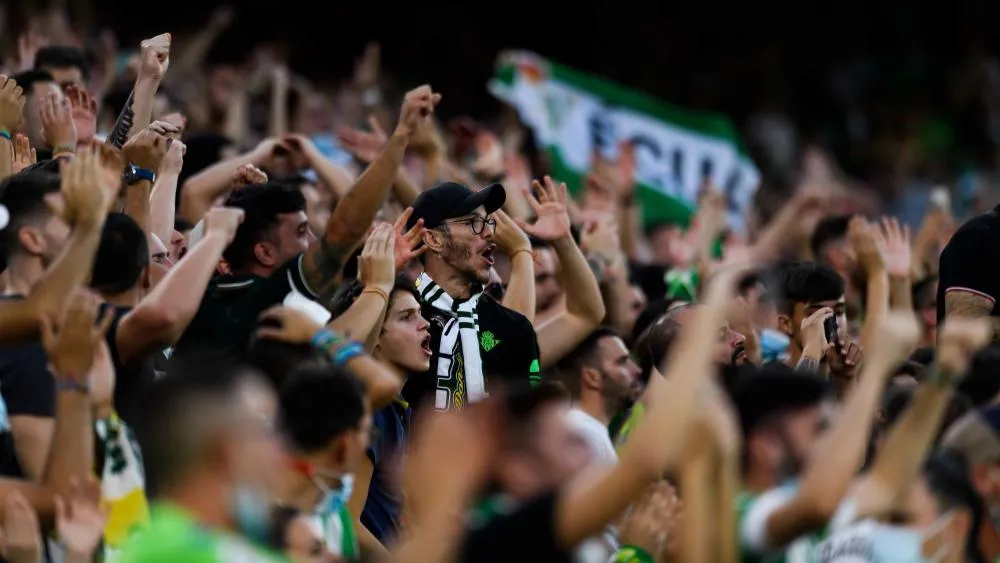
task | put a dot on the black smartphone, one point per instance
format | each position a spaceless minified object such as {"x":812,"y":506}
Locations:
{"x":830,"y":327}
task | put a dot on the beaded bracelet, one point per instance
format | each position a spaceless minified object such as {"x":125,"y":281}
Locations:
{"x":347,"y":352}
{"x":5,"y":134}
{"x":326,"y":340}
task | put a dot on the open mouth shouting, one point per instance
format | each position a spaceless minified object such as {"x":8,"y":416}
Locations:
{"x":425,"y":346}
{"x":487,"y":254}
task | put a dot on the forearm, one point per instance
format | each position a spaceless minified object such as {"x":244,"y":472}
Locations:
{"x":520,"y":293}
{"x":901,"y":293}
{"x":71,"y":458}
{"x":362,"y":319}
{"x":382,"y":385}
{"x":630,"y":219}
{"x":6,"y":158}
{"x":202,"y":189}
{"x":585,"y":300}
{"x":357,"y":209}
{"x":162,"y":205}
{"x":334,"y":178}
{"x":136,"y":114}
{"x":697,"y":475}
{"x":617,"y":296}
{"x":876,"y":308}
{"x":278,"y":124}
{"x":828,"y":476}
{"x":403,"y":189}
{"x":137,"y":205}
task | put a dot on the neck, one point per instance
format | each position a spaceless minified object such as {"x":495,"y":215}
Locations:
{"x":593,"y":404}
{"x":24,"y":273}
{"x":294,"y":488}
{"x":205,"y":498}
{"x":399,"y":371}
{"x":126,"y":298}
{"x":451,"y":280}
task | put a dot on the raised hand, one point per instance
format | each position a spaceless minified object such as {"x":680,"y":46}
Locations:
{"x":650,"y":521}
{"x":22,"y":540}
{"x":364,"y":145}
{"x":24,"y":153}
{"x":248,"y":174}
{"x":814,"y":342}
{"x":409,"y":244}
{"x":80,"y":520}
{"x":489,"y":163}
{"x":71,"y":343}
{"x":147,"y":149}
{"x":224,"y":221}
{"x":509,"y":237}
{"x":11,"y":104}
{"x":862,"y":237}
{"x":58,"y":125}
{"x":84,"y":197}
{"x":551,"y":218}
{"x":83,"y":107}
{"x":166,"y":128}
{"x":155,"y":57}
{"x":958,"y":339}
{"x":377,"y":263}
{"x":418,"y":107}
{"x":176,"y":121}
{"x":898,"y":335}
{"x":894,"y":242}
{"x":294,"y":326}
{"x":28,"y":44}
{"x":366,"y":70}
{"x":173,"y":160}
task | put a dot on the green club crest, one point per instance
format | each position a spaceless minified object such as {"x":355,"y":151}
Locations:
{"x":487,"y":340}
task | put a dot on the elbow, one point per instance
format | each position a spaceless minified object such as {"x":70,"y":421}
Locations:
{"x":385,"y":390}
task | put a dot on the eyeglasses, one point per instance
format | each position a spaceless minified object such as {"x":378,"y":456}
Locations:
{"x":477,"y":223}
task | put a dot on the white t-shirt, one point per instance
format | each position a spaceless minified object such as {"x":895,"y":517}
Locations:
{"x":595,"y":433}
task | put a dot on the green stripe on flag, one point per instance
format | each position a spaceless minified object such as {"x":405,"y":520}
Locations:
{"x":567,"y":110}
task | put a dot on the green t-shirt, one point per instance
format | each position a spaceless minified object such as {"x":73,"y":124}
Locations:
{"x":230,"y":311}
{"x":174,"y":536}
{"x":752,"y":513}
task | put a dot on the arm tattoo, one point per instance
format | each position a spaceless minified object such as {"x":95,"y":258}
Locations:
{"x":966,"y":304}
{"x":807,"y":365}
{"x":323,"y":270}
{"x":119,"y":133}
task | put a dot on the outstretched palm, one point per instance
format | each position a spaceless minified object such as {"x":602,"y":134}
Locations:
{"x":895,"y":246}
{"x":551,"y":218}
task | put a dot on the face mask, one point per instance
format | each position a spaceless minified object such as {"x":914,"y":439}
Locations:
{"x":252,"y":512}
{"x":333,"y":500}
{"x":899,"y":544}
{"x":773,"y":345}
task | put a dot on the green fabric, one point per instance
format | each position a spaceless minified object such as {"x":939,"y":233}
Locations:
{"x":799,"y":551}
{"x":632,"y":554}
{"x":174,"y":536}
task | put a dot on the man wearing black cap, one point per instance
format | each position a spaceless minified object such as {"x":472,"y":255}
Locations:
{"x":472,"y":337}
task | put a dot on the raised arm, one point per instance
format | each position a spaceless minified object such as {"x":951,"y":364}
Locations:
{"x":138,"y":110}
{"x":161,"y":317}
{"x":349,"y":223}
{"x":880,"y":491}
{"x":163,"y":198}
{"x":584,"y":305}
{"x":520,"y":293}
{"x":84,"y":205}
{"x":11,"y":105}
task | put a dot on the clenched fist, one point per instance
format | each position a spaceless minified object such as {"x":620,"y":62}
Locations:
{"x":223,"y":220}
{"x":418,"y":106}
{"x":155,"y":57}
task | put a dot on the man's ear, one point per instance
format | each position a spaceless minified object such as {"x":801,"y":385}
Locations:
{"x":785,"y":324}
{"x":32,"y":240}
{"x":266,"y":254}
{"x":590,"y":378}
{"x":434,"y":240}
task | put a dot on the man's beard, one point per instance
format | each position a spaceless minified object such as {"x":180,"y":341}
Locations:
{"x":615,"y":396}
{"x":458,"y":257}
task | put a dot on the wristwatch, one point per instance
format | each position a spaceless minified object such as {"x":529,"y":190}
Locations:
{"x":133,"y":175}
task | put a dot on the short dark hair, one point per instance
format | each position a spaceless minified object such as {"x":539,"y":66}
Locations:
{"x":277,"y":359}
{"x":62,"y":56}
{"x":653,"y":311}
{"x":807,"y":282}
{"x":774,"y":390}
{"x":181,"y":413}
{"x":50,"y":165}
{"x":522,"y":404}
{"x":828,"y":231}
{"x":121,"y":257}
{"x":23,"y":195}
{"x":351,"y":290}
{"x":27,"y":79}
{"x":281,"y":519}
{"x":261,"y":205}
{"x":319,"y":403}
{"x":582,"y":356}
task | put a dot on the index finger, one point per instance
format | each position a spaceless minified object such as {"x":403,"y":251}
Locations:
{"x":403,"y":218}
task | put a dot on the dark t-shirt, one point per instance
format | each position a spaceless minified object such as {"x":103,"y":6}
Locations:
{"x":386,"y":450}
{"x":27,"y":388}
{"x":229,"y":314}
{"x":971,"y":261}
{"x":525,"y":535}
{"x":132,"y":380}
{"x":508,"y":349}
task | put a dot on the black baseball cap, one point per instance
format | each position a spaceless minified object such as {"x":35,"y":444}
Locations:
{"x":449,"y":200}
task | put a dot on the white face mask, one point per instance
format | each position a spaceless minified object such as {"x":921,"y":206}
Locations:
{"x":333,"y":499}
{"x":899,"y":544}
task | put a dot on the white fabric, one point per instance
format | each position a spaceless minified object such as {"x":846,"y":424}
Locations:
{"x":595,"y":434}
{"x":463,"y":324}
{"x":753,"y":531}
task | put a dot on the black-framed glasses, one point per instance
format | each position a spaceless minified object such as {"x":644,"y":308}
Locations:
{"x":477,"y":223}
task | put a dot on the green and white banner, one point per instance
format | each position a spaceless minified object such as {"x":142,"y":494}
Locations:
{"x":573,"y":114}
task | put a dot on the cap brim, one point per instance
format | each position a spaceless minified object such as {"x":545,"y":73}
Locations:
{"x":491,"y":198}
